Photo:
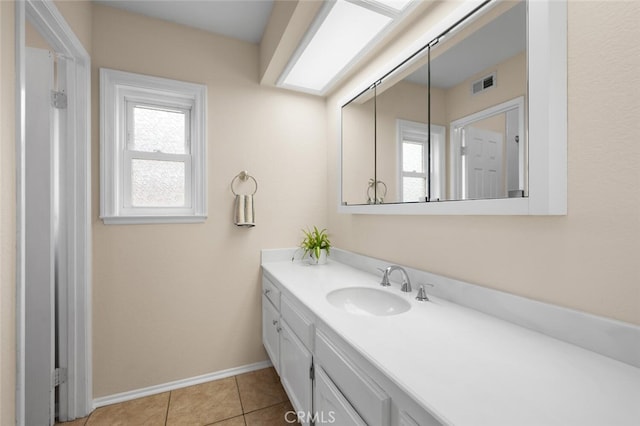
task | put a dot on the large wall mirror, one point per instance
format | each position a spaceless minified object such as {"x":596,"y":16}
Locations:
{"x":451,"y":122}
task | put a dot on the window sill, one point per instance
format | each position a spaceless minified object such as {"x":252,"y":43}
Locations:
{"x":141,"y":220}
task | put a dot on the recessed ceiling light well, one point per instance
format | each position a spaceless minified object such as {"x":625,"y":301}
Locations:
{"x":342,"y":32}
{"x":397,"y":5}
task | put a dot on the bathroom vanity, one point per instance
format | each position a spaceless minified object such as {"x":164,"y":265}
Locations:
{"x":388,"y":359}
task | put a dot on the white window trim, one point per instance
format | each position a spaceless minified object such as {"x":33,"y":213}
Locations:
{"x":116,"y":89}
{"x":417,"y":132}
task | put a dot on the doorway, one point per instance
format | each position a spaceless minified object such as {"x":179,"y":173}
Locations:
{"x":53,"y":221}
{"x":487,"y":153}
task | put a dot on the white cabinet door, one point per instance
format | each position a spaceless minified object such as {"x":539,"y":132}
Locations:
{"x":270,"y":332}
{"x":295,"y":369}
{"x":407,"y":420}
{"x":330,"y":405}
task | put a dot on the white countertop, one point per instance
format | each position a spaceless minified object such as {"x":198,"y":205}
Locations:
{"x":469,"y":368}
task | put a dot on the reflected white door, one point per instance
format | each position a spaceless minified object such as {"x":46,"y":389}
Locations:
{"x":39,"y":240}
{"x":483,"y":163}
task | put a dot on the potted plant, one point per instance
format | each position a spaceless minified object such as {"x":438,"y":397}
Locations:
{"x":316,"y":243}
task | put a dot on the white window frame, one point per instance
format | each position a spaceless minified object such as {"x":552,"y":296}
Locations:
{"x":415,"y":132}
{"x":120,"y":92}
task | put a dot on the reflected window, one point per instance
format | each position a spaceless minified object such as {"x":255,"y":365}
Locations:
{"x":416,"y":183}
{"x":414,"y":174}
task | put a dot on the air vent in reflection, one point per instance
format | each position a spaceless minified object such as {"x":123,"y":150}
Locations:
{"x":483,"y":84}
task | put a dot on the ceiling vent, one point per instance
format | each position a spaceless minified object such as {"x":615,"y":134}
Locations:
{"x":483,"y":84}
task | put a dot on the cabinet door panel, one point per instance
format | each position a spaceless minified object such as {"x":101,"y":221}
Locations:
{"x":407,"y":420}
{"x":270,"y":335}
{"x":330,"y":405}
{"x":367,"y":398}
{"x":295,"y":365}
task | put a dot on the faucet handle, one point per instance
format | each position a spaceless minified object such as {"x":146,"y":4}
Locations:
{"x":422,"y":294}
{"x":385,"y":277}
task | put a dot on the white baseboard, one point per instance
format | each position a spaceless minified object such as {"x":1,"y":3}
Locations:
{"x":152,"y":390}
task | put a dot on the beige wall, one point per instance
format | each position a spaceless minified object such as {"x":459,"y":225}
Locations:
{"x":586,"y":260}
{"x":511,"y":82}
{"x":7,"y":215}
{"x":176,"y":301}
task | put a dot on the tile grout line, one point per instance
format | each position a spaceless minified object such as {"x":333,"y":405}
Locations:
{"x":244,"y":419}
{"x":166,"y":416}
{"x":225,"y":419}
{"x":269,"y":406}
{"x":86,"y":422}
{"x":239,"y":395}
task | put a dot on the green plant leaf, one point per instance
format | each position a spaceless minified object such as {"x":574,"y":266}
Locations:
{"x":315,"y":241}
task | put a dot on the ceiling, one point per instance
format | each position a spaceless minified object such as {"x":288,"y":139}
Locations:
{"x":502,"y":38}
{"x":240,"y":19}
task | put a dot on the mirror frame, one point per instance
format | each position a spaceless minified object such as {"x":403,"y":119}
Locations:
{"x":547,"y":132}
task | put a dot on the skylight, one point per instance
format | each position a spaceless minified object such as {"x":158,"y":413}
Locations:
{"x":342,"y":31}
{"x":395,"y":4}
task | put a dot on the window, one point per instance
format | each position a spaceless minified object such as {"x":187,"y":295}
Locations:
{"x":153,"y":155}
{"x":414,"y":170}
{"x":413,"y":159}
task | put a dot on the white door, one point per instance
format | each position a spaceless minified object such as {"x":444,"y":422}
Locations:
{"x":39,"y":240}
{"x":483,"y":163}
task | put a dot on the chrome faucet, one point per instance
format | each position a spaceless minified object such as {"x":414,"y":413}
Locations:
{"x":406,"y":282}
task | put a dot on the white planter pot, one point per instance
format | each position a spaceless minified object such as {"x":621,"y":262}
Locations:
{"x":322,"y":260}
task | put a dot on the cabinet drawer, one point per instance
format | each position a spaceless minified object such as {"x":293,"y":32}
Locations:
{"x":299,"y":323}
{"x":366,"y":397}
{"x":270,"y":290}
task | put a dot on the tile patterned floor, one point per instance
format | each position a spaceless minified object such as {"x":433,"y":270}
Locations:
{"x":250,"y":399}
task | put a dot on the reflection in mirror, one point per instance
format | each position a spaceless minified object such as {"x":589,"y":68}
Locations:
{"x":478,"y":91}
{"x":402,"y":140}
{"x":450,"y":122}
{"x":358,"y":150}
{"x":491,"y":160}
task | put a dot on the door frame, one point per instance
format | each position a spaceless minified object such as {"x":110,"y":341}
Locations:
{"x":455,"y":132}
{"x":75,"y":196}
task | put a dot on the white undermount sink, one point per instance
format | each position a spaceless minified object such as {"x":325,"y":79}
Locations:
{"x":367,"y":301}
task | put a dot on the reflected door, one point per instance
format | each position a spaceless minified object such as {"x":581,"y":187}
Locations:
{"x":483,"y":163}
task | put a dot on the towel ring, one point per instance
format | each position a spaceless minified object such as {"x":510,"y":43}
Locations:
{"x":244,"y":176}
